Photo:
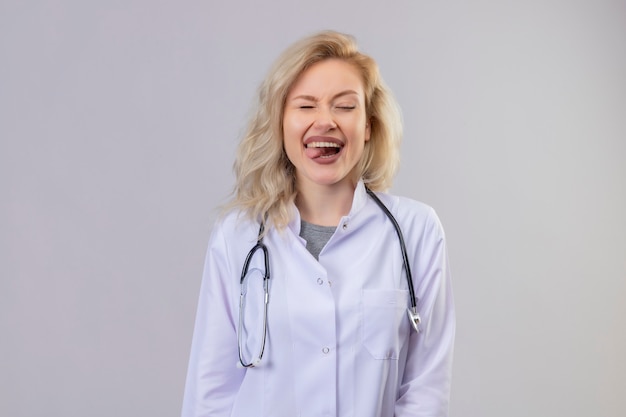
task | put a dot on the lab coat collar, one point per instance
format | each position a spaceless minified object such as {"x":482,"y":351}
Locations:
{"x":358,"y":202}
{"x":359,"y":199}
{"x":295,"y":222}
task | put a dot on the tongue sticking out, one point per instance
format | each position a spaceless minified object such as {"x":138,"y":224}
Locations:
{"x":317,"y":152}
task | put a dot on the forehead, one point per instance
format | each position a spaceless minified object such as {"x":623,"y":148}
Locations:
{"x":326,"y":77}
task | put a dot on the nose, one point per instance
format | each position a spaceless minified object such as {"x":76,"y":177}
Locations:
{"x":324,"y":120}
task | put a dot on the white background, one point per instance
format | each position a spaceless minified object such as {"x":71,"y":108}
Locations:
{"x":118,"y":124}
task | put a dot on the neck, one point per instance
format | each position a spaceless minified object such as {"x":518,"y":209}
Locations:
{"x":325,"y":205}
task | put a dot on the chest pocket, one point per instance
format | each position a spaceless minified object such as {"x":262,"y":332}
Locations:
{"x":384,"y":323}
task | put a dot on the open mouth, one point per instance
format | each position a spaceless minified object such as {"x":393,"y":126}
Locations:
{"x":322,"y":149}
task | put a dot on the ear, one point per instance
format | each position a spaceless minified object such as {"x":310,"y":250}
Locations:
{"x":368,"y":129}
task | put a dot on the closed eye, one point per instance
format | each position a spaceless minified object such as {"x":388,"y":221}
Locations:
{"x":306,"y":107}
{"x":346,"y":107}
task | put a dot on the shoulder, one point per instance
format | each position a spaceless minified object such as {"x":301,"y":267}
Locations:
{"x":413,"y":215}
{"x":234,"y":227}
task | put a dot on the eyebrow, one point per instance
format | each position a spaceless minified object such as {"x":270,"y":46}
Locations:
{"x":336,"y":96}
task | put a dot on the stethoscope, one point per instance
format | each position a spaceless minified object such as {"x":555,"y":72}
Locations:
{"x":413,"y":315}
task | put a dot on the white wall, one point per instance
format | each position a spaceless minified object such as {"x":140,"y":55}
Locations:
{"x":118,"y":123}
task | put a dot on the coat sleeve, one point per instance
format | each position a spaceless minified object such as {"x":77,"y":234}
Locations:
{"x":425,"y":387}
{"x":213,"y":378}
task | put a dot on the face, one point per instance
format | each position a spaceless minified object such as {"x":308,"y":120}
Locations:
{"x":325,"y":126}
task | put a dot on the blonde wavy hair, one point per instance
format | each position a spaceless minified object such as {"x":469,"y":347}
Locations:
{"x":265,"y":180}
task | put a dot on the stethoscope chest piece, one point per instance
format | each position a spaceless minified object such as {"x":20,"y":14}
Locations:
{"x":414,"y":318}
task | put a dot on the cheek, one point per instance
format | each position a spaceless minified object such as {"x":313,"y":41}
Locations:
{"x":293,"y":123}
{"x":289,"y":127}
{"x":291,"y":136}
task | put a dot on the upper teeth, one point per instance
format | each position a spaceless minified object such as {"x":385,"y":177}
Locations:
{"x":322,"y":145}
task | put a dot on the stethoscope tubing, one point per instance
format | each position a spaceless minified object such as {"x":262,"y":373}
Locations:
{"x":412,"y":313}
{"x":266,"y":298}
{"x":405,"y":257}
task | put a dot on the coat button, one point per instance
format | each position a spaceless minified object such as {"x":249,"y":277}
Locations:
{"x":325,"y":350}
{"x":320,"y":281}
{"x":345,"y":226}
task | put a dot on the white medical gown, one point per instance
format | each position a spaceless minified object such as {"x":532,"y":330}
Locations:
{"x":339,"y":342}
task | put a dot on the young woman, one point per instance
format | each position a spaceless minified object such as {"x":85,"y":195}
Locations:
{"x":322,"y":295}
